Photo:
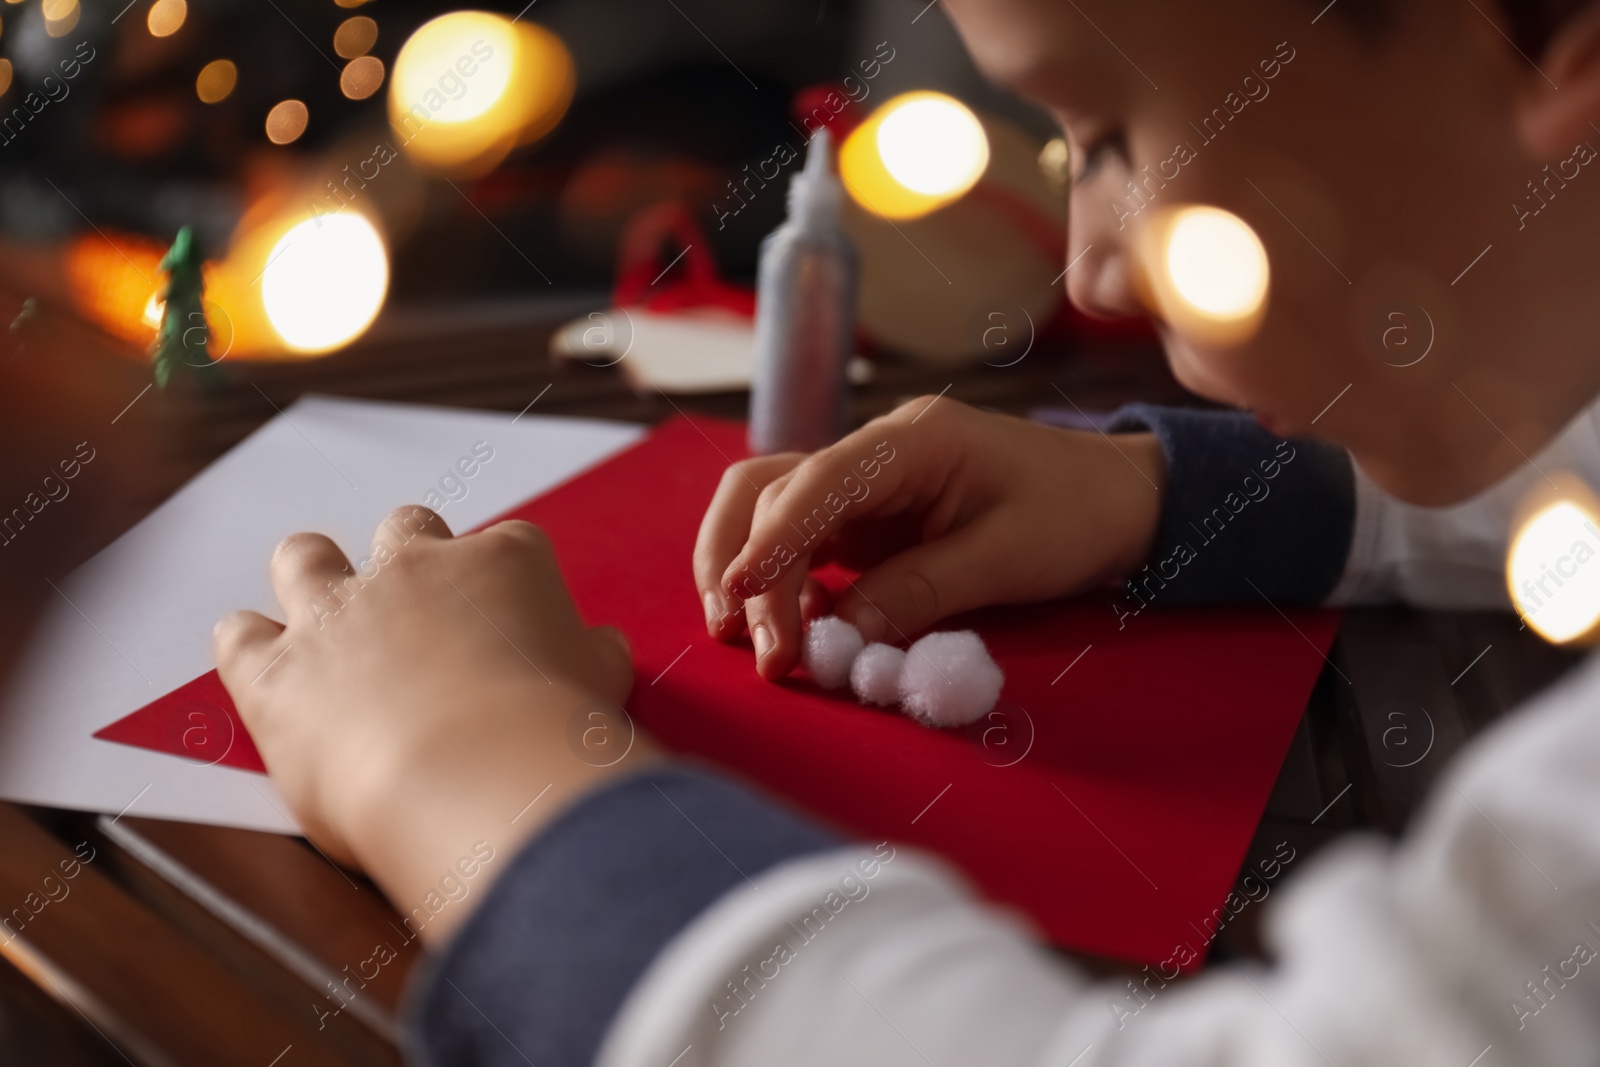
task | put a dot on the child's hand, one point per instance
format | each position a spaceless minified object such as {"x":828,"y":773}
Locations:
{"x":943,"y":507}
{"x":415,"y":707}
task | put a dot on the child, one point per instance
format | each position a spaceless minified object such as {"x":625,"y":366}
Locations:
{"x":1394,"y":158}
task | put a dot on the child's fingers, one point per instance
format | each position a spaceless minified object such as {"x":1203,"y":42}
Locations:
{"x":306,"y":569}
{"x":244,"y":645}
{"x":774,"y":620}
{"x":409,"y":521}
{"x":724,"y":530}
{"x":519,"y":551}
{"x":907,"y":593}
{"x":845,"y":482}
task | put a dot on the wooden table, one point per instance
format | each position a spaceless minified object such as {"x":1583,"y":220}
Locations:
{"x":188,"y":944}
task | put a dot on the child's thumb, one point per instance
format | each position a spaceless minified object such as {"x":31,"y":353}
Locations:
{"x":898,"y":599}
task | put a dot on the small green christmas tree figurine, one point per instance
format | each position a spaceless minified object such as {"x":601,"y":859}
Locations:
{"x":183,"y":337}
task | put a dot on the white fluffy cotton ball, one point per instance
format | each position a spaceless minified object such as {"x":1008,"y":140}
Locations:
{"x":831,"y":646}
{"x":875,"y":675}
{"x":949,"y":679}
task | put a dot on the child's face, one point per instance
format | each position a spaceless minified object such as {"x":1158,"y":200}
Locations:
{"x":1374,"y":170}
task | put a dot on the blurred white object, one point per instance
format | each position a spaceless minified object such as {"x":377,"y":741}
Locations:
{"x":703,"y":351}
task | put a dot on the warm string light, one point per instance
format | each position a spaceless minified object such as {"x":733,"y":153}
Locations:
{"x":915,"y":154}
{"x":1553,"y":564}
{"x":166,"y":17}
{"x":1205,"y":273}
{"x":325,"y":281}
{"x":287,"y":121}
{"x":355,"y":37}
{"x":934,"y":147}
{"x":216,"y":80}
{"x":60,"y":16}
{"x":468,"y":87}
{"x":361,"y":77}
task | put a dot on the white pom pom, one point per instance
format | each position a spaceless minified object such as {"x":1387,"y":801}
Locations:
{"x":949,"y":680}
{"x":831,"y":646}
{"x":875,"y":675}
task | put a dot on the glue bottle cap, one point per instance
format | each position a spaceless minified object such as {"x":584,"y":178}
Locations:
{"x":815,"y":193}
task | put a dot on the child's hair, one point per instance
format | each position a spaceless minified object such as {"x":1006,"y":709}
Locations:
{"x":1532,"y":23}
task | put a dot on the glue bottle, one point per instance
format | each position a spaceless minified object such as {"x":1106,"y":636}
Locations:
{"x":805,"y":316}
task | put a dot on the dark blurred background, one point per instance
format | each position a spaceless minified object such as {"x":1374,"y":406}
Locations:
{"x":408,"y":200}
{"x":672,"y":100}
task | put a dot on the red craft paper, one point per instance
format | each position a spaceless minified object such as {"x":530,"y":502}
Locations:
{"x":1111,"y":796}
{"x":196,"y":721}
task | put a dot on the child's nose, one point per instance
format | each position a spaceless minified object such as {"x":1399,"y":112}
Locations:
{"x":1100,"y":280}
{"x":1101,"y":270}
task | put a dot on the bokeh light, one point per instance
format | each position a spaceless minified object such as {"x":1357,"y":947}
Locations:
{"x":915,"y":154}
{"x":166,"y":17}
{"x":1216,"y":263}
{"x":355,"y":37}
{"x":60,"y":16}
{"x":1055,"y":164}
{"x":933,"y":145}
{"x":361,"y":77}
{"x":287,"y":121}
{"x":1207,"y":272}
{"x":468,"y":87}
{"x":113,"y":279}
{"x":1553,"y":571}
{"x":216,"y":81}
{"x":439,"y":69}
{"x":5,"y":76}
{"x":325,"y":281}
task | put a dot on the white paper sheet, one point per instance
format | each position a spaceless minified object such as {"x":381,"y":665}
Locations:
{"x":135,"y":621}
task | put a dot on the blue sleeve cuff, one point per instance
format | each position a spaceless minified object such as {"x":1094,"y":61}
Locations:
{"x":1247,"y":516}
{"x":539,"y":970}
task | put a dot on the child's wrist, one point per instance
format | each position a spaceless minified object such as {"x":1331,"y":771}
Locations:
{"x":1144,"y":450}
{"x":483,"y":782}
